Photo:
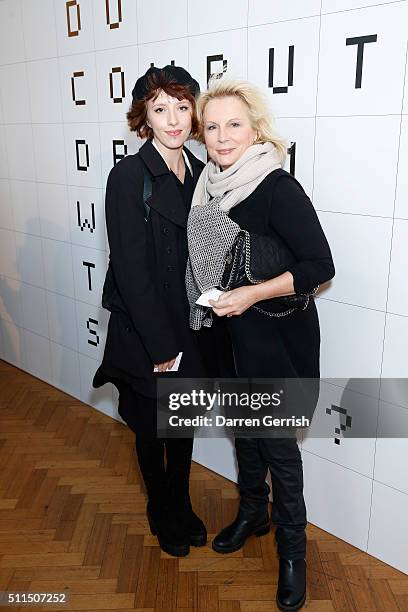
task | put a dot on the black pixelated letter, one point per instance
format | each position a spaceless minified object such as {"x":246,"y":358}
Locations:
{"x":118,"y":154}
{"x":83,"y":144}
{"x":292,"y":154}
{"x":152,"y":63}
{"x":120,"y":98}
{"x":89,"y":265}
{"x":360,"y":41}
{"x":74,"y":26}
{"x":113,"y":24}
{"x":75,"y":75}
{"x":92,"y":331}
{"x":291,"y":61}
{"x":219,"y":73}
{"x":88,"y":223}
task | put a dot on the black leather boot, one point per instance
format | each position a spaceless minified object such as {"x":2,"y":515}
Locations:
{"x":291,"y":593}
{"x":234,"y":536}
{"x":179,"y":452}
{"x":195,"y":527}
{"x":171,"y":535}
{"x":253,"y":517}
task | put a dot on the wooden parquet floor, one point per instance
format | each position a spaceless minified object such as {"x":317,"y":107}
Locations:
{"x":72,"y":516}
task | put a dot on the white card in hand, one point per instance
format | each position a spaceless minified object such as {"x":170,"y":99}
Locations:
{"x":175,"y":366}
{"x":211,"y":294}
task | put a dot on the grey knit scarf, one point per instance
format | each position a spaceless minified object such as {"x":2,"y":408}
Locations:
{"x":210,"y":232}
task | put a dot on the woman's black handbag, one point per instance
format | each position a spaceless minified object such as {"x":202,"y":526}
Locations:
{"x":253,"y":259}
{"x":110,"y":290}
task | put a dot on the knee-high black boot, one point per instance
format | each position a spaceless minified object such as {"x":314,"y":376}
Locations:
{"x":253,"y":516}
{"x":140,"y":414}
{"x":283,"y":458}
{"x":178,"y":453}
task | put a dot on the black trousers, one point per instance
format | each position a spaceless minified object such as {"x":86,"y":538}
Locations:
{"x":281,"y":456}
{"x":161,"y":460}
{"x":169,"y":459}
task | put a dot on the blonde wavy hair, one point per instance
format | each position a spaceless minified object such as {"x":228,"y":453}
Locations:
{"x":259,"y":115}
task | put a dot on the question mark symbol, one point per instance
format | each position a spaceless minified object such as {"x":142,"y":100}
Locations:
{"x":343,"y":427}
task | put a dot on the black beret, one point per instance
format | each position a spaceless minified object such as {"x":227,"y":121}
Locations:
{"x":176,"y":73}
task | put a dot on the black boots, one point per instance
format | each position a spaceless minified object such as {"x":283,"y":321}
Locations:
{"x":171,"y":517}
{"x":172,"y":537}
{"x":281,"y":456}
{"x":169,"y":510}
{"x":192,"y":524}
{"x":291,"y":594}
{"x":253,"y":517}
{"x":233,"y":537}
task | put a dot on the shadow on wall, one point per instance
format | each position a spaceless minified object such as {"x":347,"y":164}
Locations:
{"x":40,"y":327}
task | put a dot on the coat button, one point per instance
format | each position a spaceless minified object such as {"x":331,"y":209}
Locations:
{"x":166,"y":285}
{"x":170,"y":268}
{"x":168,"y":250}
{"x":165,"y":231}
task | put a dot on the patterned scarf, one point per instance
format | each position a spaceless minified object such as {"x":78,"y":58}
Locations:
{"x":210,"y":232}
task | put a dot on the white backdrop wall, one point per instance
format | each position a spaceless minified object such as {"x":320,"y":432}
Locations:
{"x":334,"y":72}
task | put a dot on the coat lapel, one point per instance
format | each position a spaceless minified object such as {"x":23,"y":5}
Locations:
{"x":196,"y":164}
{"x":166,"y":199}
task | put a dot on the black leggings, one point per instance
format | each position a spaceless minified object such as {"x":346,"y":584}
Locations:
{"x":140,"y":414}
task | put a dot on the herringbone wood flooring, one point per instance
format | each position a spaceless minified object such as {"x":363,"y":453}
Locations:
{"x":72,"y":516}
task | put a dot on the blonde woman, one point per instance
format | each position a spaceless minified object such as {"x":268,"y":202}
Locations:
{"x":244,"y":183}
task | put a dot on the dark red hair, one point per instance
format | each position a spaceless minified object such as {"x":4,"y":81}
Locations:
{"x":137,"y":114}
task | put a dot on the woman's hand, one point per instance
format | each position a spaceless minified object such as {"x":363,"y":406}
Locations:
{"x":235,"y":302}
{"x":166,"y":365}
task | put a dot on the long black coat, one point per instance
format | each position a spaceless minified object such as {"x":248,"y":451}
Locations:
{"x":152,"y":324}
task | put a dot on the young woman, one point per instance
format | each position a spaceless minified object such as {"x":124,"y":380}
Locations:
{"x":148,"y":326}
{"x":244,"y":181}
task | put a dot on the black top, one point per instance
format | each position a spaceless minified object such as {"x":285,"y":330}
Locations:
{"x":286,"y":346}
{"x":279,"y":205}
{"x":186,"y":188}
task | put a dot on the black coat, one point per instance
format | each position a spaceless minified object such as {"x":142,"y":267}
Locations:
{"x":148,"y":260}
{"x":286,"y":346}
